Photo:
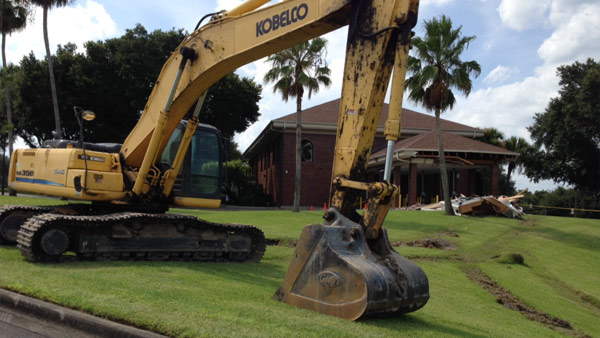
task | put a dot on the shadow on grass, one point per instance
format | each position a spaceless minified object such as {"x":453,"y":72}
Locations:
{"x":575,"y":239}
{"x":260,"y":274}
{"x":415,"y":226}
{"x":408,"y":323}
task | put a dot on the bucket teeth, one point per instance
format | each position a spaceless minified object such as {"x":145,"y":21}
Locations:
{"x":336,"y":271}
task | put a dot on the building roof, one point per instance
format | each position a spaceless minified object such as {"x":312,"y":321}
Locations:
{"x":323,"y":118}
{"x":427,"y":142}
{"x":327,"y":113}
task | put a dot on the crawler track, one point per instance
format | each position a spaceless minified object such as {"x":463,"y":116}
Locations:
{"x":137,"y":236}
{"x":12,"y":216}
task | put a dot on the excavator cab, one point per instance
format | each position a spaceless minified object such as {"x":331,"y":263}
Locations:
{"x":200,"y":180}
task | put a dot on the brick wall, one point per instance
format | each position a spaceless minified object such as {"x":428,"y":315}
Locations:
{"x":265,"y":168}
{"x":316,"y":175}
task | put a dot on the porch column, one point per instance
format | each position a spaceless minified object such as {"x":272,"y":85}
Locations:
{"x":412,"y":191}
{"x":397,"y":181}
{"x":494,"y":183}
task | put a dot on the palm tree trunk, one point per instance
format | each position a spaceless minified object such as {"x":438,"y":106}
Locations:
{"x":8,"y":117}
{"x":298,"y":177}
{"x":509,"y":171}
{"x":443,"y":171}
{"x":51,"y":72}
{"x":3,"y":176}
{"x":7,"y":95}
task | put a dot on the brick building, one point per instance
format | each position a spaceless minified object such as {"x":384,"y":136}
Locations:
{"x":473,"y":166}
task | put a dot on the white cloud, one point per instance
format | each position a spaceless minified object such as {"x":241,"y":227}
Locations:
{"x":231,"y":4}
{"x":563,"y":10}
{"x":575,"y":39}
{"x":499,"y":75}
{"x":511,"y":107}
{"x":437,"y":3}
{"x":228,"y":4}
{"x":520,"y":15}
{"x":76,"y":24}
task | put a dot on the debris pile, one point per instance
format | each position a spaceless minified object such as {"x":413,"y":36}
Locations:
{"x":430,"y":243}
{"x":486,"y":205}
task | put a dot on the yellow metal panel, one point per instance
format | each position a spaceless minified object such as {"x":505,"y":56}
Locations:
{"x":95,"y":160}
{"x":246,"y":7}
{"x":280,"y":19}
{"x":97,"y":180}
{"x":189,"y":202}
{"x":51,"y":172}
{"x":70,"y":193}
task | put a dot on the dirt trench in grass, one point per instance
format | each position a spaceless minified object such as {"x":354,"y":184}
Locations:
{"x":510,"y":301}
{"x":503,"y":296}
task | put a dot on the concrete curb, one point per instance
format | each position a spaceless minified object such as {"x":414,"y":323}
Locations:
{"x":71,"y":318}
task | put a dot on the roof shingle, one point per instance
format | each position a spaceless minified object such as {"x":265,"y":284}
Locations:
{"x":327,"y":113}
{"x":452,"y":143}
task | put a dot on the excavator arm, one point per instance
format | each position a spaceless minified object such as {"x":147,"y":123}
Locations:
{"x":345,"y":267}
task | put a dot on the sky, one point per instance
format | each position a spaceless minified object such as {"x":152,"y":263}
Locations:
{"x":519,"y":44}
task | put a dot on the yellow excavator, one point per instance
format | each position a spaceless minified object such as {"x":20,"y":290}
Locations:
{"x":345,"y":267}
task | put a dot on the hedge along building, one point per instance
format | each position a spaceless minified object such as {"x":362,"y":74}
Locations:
{"x":473,"y":166}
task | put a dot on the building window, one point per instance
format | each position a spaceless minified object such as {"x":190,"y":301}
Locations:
{"x":307,"y":151}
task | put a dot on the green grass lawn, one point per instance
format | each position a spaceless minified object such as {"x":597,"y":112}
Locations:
{"x":560,"y":276}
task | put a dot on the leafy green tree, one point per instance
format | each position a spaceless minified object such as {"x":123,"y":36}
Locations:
{"x":294,"y":71}
{"x":118,"y":75}
{"x":47,"y":5}
{"x":12,"y":19}
{"x":232,"y":104}
{"x":233,"y":150}
{"x":505,"y":185}
{"x":518,"y":145}
{"x":35,"y":120}
{"x":560,"y":201}
{"x":114,"y":78}
{"x":241,"y":189}
{"x":567,"y":134}
{"x":436,"y":69}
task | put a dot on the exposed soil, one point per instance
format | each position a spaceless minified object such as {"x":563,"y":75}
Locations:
{"x":430,"y":243}
{"x":448,"y":233}
{"x":436,"y":259}
{"x":510,"y":301}
{"x":279,"y":242}
{"x":593,"y":301}
{"x":529,"y":222}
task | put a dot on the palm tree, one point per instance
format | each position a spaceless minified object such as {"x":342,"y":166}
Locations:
{"x":294,"y":70}
{"x":13,"y":19}
{"x":46,"y":5}
{"x":493,"y":136}
{"x":435,"y":70}
{"x":518,"y":145}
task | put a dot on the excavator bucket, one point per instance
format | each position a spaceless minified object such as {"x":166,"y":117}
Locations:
{"x":337,"y":271}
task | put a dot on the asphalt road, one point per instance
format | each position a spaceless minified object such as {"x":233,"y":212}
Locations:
{"x":22,"y":316}
{"x":18,"y":325}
